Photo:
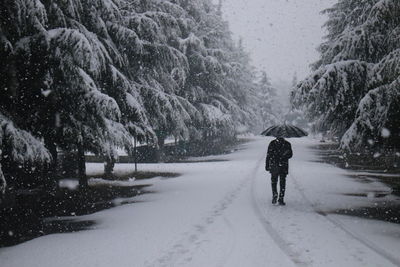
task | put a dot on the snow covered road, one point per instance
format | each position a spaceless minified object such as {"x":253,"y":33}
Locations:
{"x":218,"y":213}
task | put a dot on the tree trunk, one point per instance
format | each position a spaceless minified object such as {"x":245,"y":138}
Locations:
{"x":160,"y":150}
{"x":176,"y":151}
{"x":83,"y":182}
{"x":12,"y":84}
{"x":3,"y":183}
{"x":109,"y":167}
{"x":51,"y":173}
{"x":135,"y":152}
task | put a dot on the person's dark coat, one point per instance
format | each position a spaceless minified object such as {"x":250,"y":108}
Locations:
{"x":278,"y":155}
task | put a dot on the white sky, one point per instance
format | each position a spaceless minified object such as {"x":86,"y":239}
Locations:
{"x":281,"y":35}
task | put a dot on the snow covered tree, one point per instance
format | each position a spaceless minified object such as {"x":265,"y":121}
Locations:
{"x":162,"y":68}
{"x":72,"y":75}
{"x":220,"y":76}
{"x":204,"y":71}
{"x":268,"y":102}
{"x":344,"y":33}
{"x":353,"y":91}
{"x":376,"y":124}
{"x":91,"y":75}
{"x":330,"y":95}
{"x":17,"y":147}
{"x":295,"y":116}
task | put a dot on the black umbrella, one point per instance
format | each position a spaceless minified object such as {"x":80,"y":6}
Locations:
{"x":284,"y":130}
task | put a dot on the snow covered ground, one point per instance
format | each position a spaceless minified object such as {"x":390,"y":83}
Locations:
{"x":219,"y":214}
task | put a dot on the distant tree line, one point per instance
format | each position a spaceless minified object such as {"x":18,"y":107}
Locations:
{"x":354,"y":91}
{"x":93,"y":75}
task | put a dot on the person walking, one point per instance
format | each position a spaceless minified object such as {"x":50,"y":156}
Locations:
{"x":277,"y":163}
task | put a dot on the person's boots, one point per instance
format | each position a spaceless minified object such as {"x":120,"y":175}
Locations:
{"x":282,"y":190}
{"x":281,"y":196}
{"x":274,"y":192}
{"x":274,"y":198}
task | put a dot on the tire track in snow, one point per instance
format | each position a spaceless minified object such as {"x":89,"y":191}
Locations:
{"x":262,"y":216}
{"x":341,"y":226}
{"x":183,"y":250}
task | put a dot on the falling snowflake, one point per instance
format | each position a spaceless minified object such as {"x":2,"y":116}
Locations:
{"x":46,"y":93}
{"x":377,"y":155}
{"x":370,"y":142}
{"x":385,"y":133}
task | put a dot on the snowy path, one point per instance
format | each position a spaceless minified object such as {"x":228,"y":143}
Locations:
{"x":219,"y":214}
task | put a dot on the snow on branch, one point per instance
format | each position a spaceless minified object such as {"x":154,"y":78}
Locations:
{"x":96,"y":100}
{"x":329,"y":94}
{"x":29,"y":14}
{"x":82,"y":48}
{"x":20,"y":146}
{"x":372,"y":116}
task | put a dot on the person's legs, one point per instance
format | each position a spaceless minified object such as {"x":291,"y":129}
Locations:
{"x":274,"y":185}
{"x":282,"y":187}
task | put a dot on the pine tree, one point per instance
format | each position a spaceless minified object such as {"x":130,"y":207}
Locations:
{"x":18,"y":147}
{"x":357,"y":75}
{"x":269,"y":102}
{"x":91,"y":75}
{"x":66,"y":63}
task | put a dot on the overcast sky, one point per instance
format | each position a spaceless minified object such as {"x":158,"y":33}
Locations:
{"x":281,"y":35}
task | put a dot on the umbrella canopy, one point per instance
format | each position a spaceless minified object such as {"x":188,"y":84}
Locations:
{"x":284,"y":130}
